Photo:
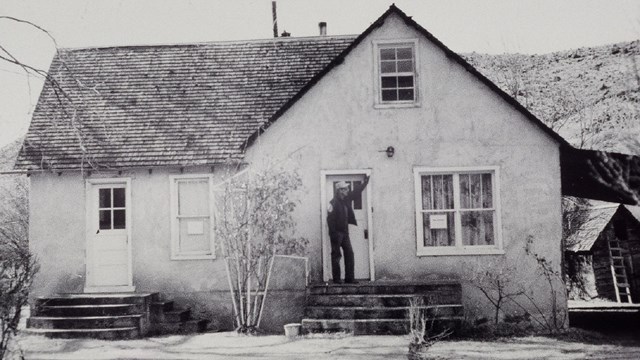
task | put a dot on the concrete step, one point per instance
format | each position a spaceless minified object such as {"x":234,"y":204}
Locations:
{"x":377,"y":300}
{"x":369,"y":326}
{"x":443,"y":289}
{"x":97,"y":299}
{"x":185,"y":327}
{"x":359,"y":312}
{"x":171,"y":316}
{"x":88,"y":310}
{"x":105,"y":334}
{"x":162,"y":305}
{"x":87,"y":322}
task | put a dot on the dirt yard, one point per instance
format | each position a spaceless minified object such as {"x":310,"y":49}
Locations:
{"x":227,"y":345}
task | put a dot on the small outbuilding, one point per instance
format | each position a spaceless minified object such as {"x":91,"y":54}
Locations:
{"x":603,"y":254}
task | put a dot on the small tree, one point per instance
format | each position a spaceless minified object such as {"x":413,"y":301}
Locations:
{"x":497,"y":284}
{"x":17,"y":264}
{"x":254,"y":225}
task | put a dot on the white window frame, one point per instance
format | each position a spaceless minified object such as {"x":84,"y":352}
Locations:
{"x":459,"y":248}
{"x":176,"y":254}
{"x":380,"y":44}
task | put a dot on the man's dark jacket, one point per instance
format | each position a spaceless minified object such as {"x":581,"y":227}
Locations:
{"x":341,"y":214}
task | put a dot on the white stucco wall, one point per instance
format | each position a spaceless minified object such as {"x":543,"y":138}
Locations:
{"x":459,"y":123}
{"x":58,"y":239}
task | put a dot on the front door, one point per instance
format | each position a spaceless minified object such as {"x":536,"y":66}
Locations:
{"x":108,"y":236}
{"x":360,"y":235}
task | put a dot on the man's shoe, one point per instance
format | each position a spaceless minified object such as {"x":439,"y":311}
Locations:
{"x":351,"y":281}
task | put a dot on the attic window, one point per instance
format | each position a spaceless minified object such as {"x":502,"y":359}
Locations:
{"x":396,"y":73}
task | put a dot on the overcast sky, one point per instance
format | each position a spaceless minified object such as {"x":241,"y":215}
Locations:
{"x":485,"y":26}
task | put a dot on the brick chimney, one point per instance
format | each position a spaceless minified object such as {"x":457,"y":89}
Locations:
{"x":323,"y":28}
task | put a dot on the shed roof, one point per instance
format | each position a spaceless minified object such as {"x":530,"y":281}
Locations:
{"x":166,"y":105}
{"x":597,"y":219}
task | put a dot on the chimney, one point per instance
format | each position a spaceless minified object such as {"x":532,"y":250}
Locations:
{"x":323,"y":28}
{"x":285,"y":34}
{"x":275,"y":19}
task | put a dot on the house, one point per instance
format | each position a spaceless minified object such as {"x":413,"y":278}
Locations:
{"x":462,"y":176}
{"x":603,"y":253}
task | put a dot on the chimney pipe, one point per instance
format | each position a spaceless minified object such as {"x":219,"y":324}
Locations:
{"x":275,"y":19}
{"x":323,"y":28}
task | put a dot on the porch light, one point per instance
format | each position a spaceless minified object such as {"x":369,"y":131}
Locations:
{"x":389,"y":150}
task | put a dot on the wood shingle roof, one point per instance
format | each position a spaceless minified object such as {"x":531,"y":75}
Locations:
{"x":169,"y":105}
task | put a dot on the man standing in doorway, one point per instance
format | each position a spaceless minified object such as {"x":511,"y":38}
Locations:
{"x":339,"y":218}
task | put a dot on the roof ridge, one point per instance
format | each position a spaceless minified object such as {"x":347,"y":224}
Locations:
{"x":201,"y":43}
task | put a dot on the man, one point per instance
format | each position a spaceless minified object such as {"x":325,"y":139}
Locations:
{"x":339,"y":218}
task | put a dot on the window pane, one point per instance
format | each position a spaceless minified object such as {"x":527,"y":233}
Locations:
{"x":427,"y":200}
{"x":405,"y":53}
{"x":104,"y":196}
{"x":465,"y":197}
{"x":389,"y":95}
{"x":388,"y":66}
{"x":405,"y":66}
{"x":118,"y":219}
{"x":193,"y":197}
{"x":474,"y":188}
{"x":405,"y":94}
{"x":477,"y":227}
{"x":443,"y":191}
{"x":194,"y":235}
{"x":388,"y":54}
{"x":357,"y":201}
{"x":118,"y":197}
{"x":443,"y":233}
{"x":405,"y":81}
{"x":487,"y":191}
{"x":389,"y":82}
{"x":104,"y":219}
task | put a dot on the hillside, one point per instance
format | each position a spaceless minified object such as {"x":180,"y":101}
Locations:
{"x":590,"y":96}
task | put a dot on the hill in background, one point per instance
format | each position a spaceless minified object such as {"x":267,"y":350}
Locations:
{"x":590,"y":96}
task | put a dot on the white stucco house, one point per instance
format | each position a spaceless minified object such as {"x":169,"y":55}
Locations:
{"x":462,"y":176}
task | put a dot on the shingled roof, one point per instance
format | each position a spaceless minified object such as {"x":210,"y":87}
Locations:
{"x":169,"y":105}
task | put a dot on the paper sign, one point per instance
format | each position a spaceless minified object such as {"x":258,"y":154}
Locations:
{"x":437,"y":221}
{"x":195,"y":228}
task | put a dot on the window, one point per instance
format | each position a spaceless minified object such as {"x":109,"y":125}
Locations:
{"x":396,"y":73}
{"x":457,"y":211}
{"x":111,"y":208}
{"x":192,"y":232}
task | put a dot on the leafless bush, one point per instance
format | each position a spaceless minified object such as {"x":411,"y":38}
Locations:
{"x":254,"y":225}
{"x":423,"y":329}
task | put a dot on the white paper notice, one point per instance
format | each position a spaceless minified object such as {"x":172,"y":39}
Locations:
{"x":437,"y":221}
{"x":195,"y":228}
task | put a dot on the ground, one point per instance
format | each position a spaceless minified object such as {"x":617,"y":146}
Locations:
{"x":225,"y":345}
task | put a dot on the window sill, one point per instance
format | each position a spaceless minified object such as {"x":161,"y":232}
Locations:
{"x":193,"y":257}
{"x":396,"y":105}
{"x":459,"y":251}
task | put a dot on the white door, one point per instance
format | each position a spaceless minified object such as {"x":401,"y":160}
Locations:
{"x":359,"y":235}
{"x":108,"y":255}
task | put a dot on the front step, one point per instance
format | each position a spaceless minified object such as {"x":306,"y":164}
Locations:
{"x":109,"y":316}
{"x":380,"y":308}
{"x":104,"y":334}
{"x":85,"y":322}
{"x":399,"y":312}
{"x":370,"y":326}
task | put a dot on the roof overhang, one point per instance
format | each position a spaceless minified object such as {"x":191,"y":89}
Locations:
{"x":600,"y":175}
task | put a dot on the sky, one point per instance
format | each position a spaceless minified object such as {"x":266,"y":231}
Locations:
{"x":483,"y":26}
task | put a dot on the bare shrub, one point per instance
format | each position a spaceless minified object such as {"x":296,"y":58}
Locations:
{"x":423,"y":329}
{"x":254,"y":225}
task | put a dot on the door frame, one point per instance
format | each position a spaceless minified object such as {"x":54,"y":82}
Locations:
{"x":326,"y":243}
{"x":91,"y":219}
